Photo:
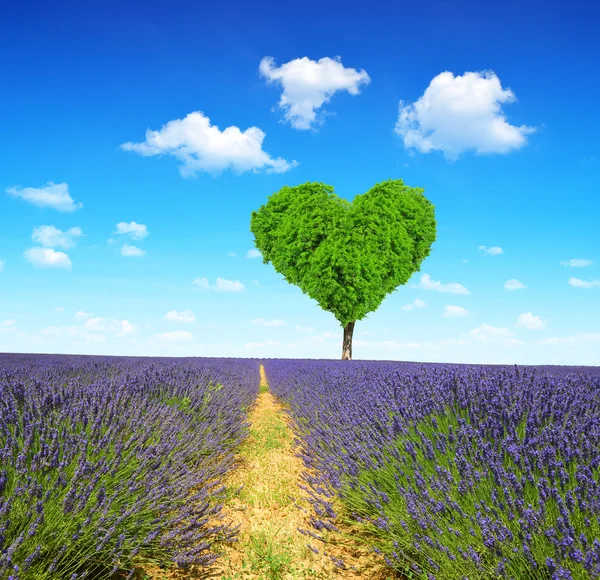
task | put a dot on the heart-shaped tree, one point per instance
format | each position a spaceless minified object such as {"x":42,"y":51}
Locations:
{"x":346,"y":256}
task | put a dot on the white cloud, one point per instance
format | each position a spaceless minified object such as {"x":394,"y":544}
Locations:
{"x":577,"y":283}
{"x":174,"y":336}
{"x":202,"y":147}
{"x":82,"y":315}
{"x":514,"y":284}
{"x":52,"y":237}
{"x":47,"y":258}
{"x":253,"y":254}
{"x":128,"y":250}
{"x":577,"y":339}
{"x":308,"y":85}
{"x":132,"y":229}
{"x":126,"y":328}
{"x":485,"y":332}
{"x":10,"y":323}
{"x":71,"y":332}
{"x":183,"y":316}
{"x":305,"y":328}
{"x":54,"y":195}
{"x":458,"y":114}
{"x":221,"y":285}
{"x":577,"y":263}
{"x":117,"y":327}
{"x":263,"y":322}
{"x":529,"y":321}
{"x":426,"y":283}
{"x":455,"y":311}
{"x":492,"y":250}
{"x":416,"y":303}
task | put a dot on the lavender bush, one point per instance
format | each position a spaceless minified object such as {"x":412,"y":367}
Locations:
{"x":461,"y":472}
{"x":108,"y":463}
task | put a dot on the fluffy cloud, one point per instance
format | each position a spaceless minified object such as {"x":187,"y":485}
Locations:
{"x":117,"y":327}
{"x":455,"y":311}
{"x":200,"y":146}
{"x":253,"y":253}
{"x":458,"y":114}
{"x":529,"y":321}
{"x":132,"y":229}
{"x":221,"y":285}
{"x":308,"y":85}
{"x":183,"y":316}
{"x":263,"y":322}
{"x":577,"y":283}
{"x":426,"y":283}
{"x":174,"y":336}
{"x":485,"y":333}
{"x":54,"y":195}
{"x":577,"y":263}
{"x":416,"y":303}
{"x":514,"y":284}
{"x":47,"y":258}
{"x":128,"y":250}
{"x":492,"y":250}
{"x":52,"y":237}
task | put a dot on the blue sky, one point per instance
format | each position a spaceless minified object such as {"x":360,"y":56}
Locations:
{"x":136,"y":143}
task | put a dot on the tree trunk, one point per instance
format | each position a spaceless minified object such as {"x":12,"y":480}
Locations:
{"x":347,"y":344}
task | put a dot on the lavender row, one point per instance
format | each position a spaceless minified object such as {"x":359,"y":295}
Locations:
{"x":110,"y":463}
{"x":460,"y":471}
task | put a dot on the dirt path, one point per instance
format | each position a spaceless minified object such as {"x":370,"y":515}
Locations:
{"x":269,"y":545}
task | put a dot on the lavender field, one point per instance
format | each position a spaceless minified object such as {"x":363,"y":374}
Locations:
{"x":458,"y":472}
{"x":108,"y":464}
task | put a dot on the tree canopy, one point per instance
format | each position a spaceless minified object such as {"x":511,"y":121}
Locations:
{"x":346,"y":255}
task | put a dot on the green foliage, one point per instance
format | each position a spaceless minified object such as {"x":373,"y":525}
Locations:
{"x":346,"y":256}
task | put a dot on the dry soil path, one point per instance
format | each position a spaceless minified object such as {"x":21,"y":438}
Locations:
{"x":269,"y":545}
